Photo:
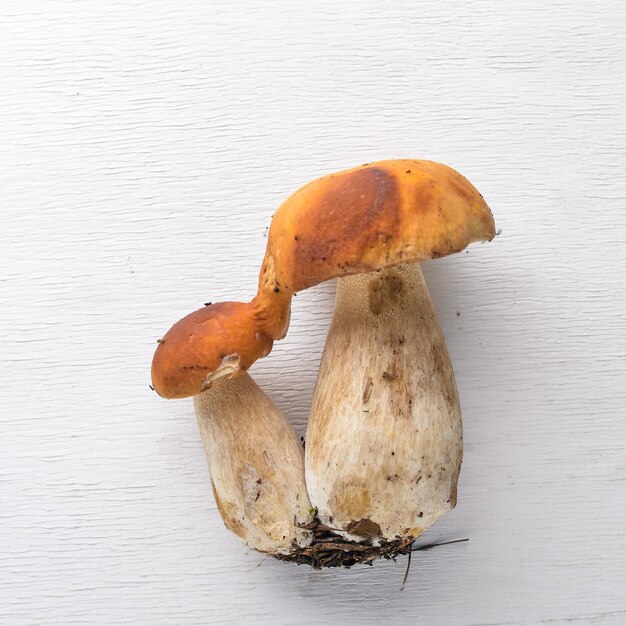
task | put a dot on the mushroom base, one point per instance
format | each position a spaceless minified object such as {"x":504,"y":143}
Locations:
{"x":330,"y":550}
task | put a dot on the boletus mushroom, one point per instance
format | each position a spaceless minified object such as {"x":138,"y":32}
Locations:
{"x":255,"y":459}
{"x":384,"y":441}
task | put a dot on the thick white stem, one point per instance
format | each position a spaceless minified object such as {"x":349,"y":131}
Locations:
{"x":256,"y":464}
{"x":384,"y":441}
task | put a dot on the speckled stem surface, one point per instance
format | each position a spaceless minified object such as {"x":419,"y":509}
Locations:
{"x":256,"y":463}
{"x":384,"y":440}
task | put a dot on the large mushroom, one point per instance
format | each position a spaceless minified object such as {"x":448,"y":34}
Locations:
{"x":384,"y":440}
{"x":255,"y":459}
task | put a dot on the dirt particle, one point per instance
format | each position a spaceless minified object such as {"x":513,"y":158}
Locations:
{"x":367,"y":391}
{"x":364,"y":528}
{"x":453,"y":494}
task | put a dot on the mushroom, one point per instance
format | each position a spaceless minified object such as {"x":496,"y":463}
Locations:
{"x":384,"y":439}
{"x":255,"y":459}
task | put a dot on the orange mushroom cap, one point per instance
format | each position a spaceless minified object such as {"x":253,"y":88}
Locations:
{"x":221,"y":339}
{"x":372,"y":217}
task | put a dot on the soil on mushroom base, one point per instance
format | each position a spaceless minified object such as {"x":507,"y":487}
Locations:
{"x":330,"y":550}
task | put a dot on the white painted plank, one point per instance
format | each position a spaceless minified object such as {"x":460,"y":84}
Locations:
{"x":143,"y":149}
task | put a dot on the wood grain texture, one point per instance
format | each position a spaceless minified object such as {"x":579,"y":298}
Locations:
{"x":143,"y":149}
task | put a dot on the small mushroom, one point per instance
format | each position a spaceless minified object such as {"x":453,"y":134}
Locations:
{"x":255,"y":458}
{"x":222,"y":339}
{"x":384,"y":440}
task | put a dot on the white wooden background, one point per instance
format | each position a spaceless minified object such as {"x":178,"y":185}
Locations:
{"x":144,"y":147}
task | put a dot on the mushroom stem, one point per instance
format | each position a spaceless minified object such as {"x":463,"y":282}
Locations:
{"x":384,"y":440}
{"x":256,"y":464}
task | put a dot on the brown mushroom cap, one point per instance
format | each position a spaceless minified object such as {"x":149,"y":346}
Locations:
{"x":371,"y":217}
{"x":217,"y":340}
